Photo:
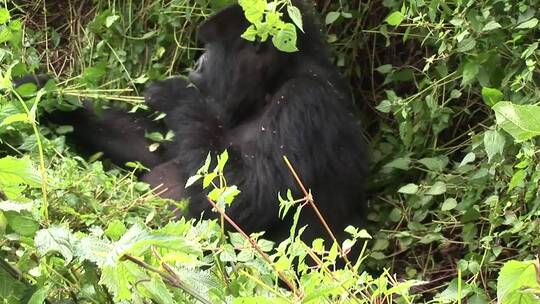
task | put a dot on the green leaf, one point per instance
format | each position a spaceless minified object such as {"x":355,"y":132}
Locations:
{"x":454,"y":292}
{"x":493,"y":143}
{"x":4,"y":15}
{"x":285,"y":39}
{"x":296,"y":16}
{"x":384,"y":69}
{"x":27,"y":89}
{"x":469,"y":158}
{"x":531,"y":23}
{"x":192,"y":180}
{"x":209,"y":178}
{"x":228,"y":195}
{"x":436,"y":164}
{"x":22,"y":223}
{"x":250,"y":34}
{"x":385,"y":106}
{"x":409,"y":189}
{"x":55,"y":239}
{"x":157,"y":291}
{"x":403,"y":163}
{"x":491,"y":96}
{"x":253,"y":9}
{"x":11,"y":289}
{"x":15,"y":206}
{"x":437,"y":189}
{"x":516,"y":275}
{"x":331,"y":17}
{"x":517,"y":179}
{"x":40,"y":295}
{"x":470,"y":70}
{"x":18,"y":170}
{"x":222,"y":161}
{"x":520,"y":121}
{"x":117,"y":279}
{"x":115,"y":229}
{"x":21,"y":117}
{"x":491,"y":26}
{"x":5,"y":35}
{"x":466,"y":45}
{"x":449,"y":204}
{"x":111,"y":20}
{"x":395,"y":18}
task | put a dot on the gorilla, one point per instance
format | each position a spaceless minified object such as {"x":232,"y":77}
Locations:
{"x":260,"y":104}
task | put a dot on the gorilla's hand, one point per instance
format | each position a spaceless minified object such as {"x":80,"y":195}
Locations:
{"x":166,"y":95}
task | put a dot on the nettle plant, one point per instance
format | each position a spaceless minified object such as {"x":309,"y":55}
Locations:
{"x":266,"y":20}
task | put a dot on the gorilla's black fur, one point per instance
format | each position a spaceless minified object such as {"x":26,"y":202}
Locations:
{"x":260,"y":104}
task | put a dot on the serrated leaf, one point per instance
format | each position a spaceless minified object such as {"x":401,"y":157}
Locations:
{"x":395,"y":18}
{"x":409,"y":189}
{"x":117,"y":279}
{"x":520,"y":121}
{"x":55,"y":239}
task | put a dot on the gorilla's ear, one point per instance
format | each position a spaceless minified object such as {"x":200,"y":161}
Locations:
{"x":227,"y":23}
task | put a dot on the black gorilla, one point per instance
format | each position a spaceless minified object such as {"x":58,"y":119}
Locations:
{"x":260,"y":104}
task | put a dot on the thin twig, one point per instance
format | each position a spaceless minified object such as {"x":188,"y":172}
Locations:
{"x":309,"y":198}
{"x":255,"y":246}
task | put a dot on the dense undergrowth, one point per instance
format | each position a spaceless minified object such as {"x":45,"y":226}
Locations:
{"x":447,"y":91}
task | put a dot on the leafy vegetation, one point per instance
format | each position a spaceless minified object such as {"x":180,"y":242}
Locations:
{"x":448,"y":92}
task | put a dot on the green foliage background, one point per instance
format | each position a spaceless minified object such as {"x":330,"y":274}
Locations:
{"x":447,"y":91}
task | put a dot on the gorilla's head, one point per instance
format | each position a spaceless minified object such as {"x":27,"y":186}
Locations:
{"x":234,"y":71}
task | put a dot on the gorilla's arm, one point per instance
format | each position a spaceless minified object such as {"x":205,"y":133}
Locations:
{"x":116,"y":133}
